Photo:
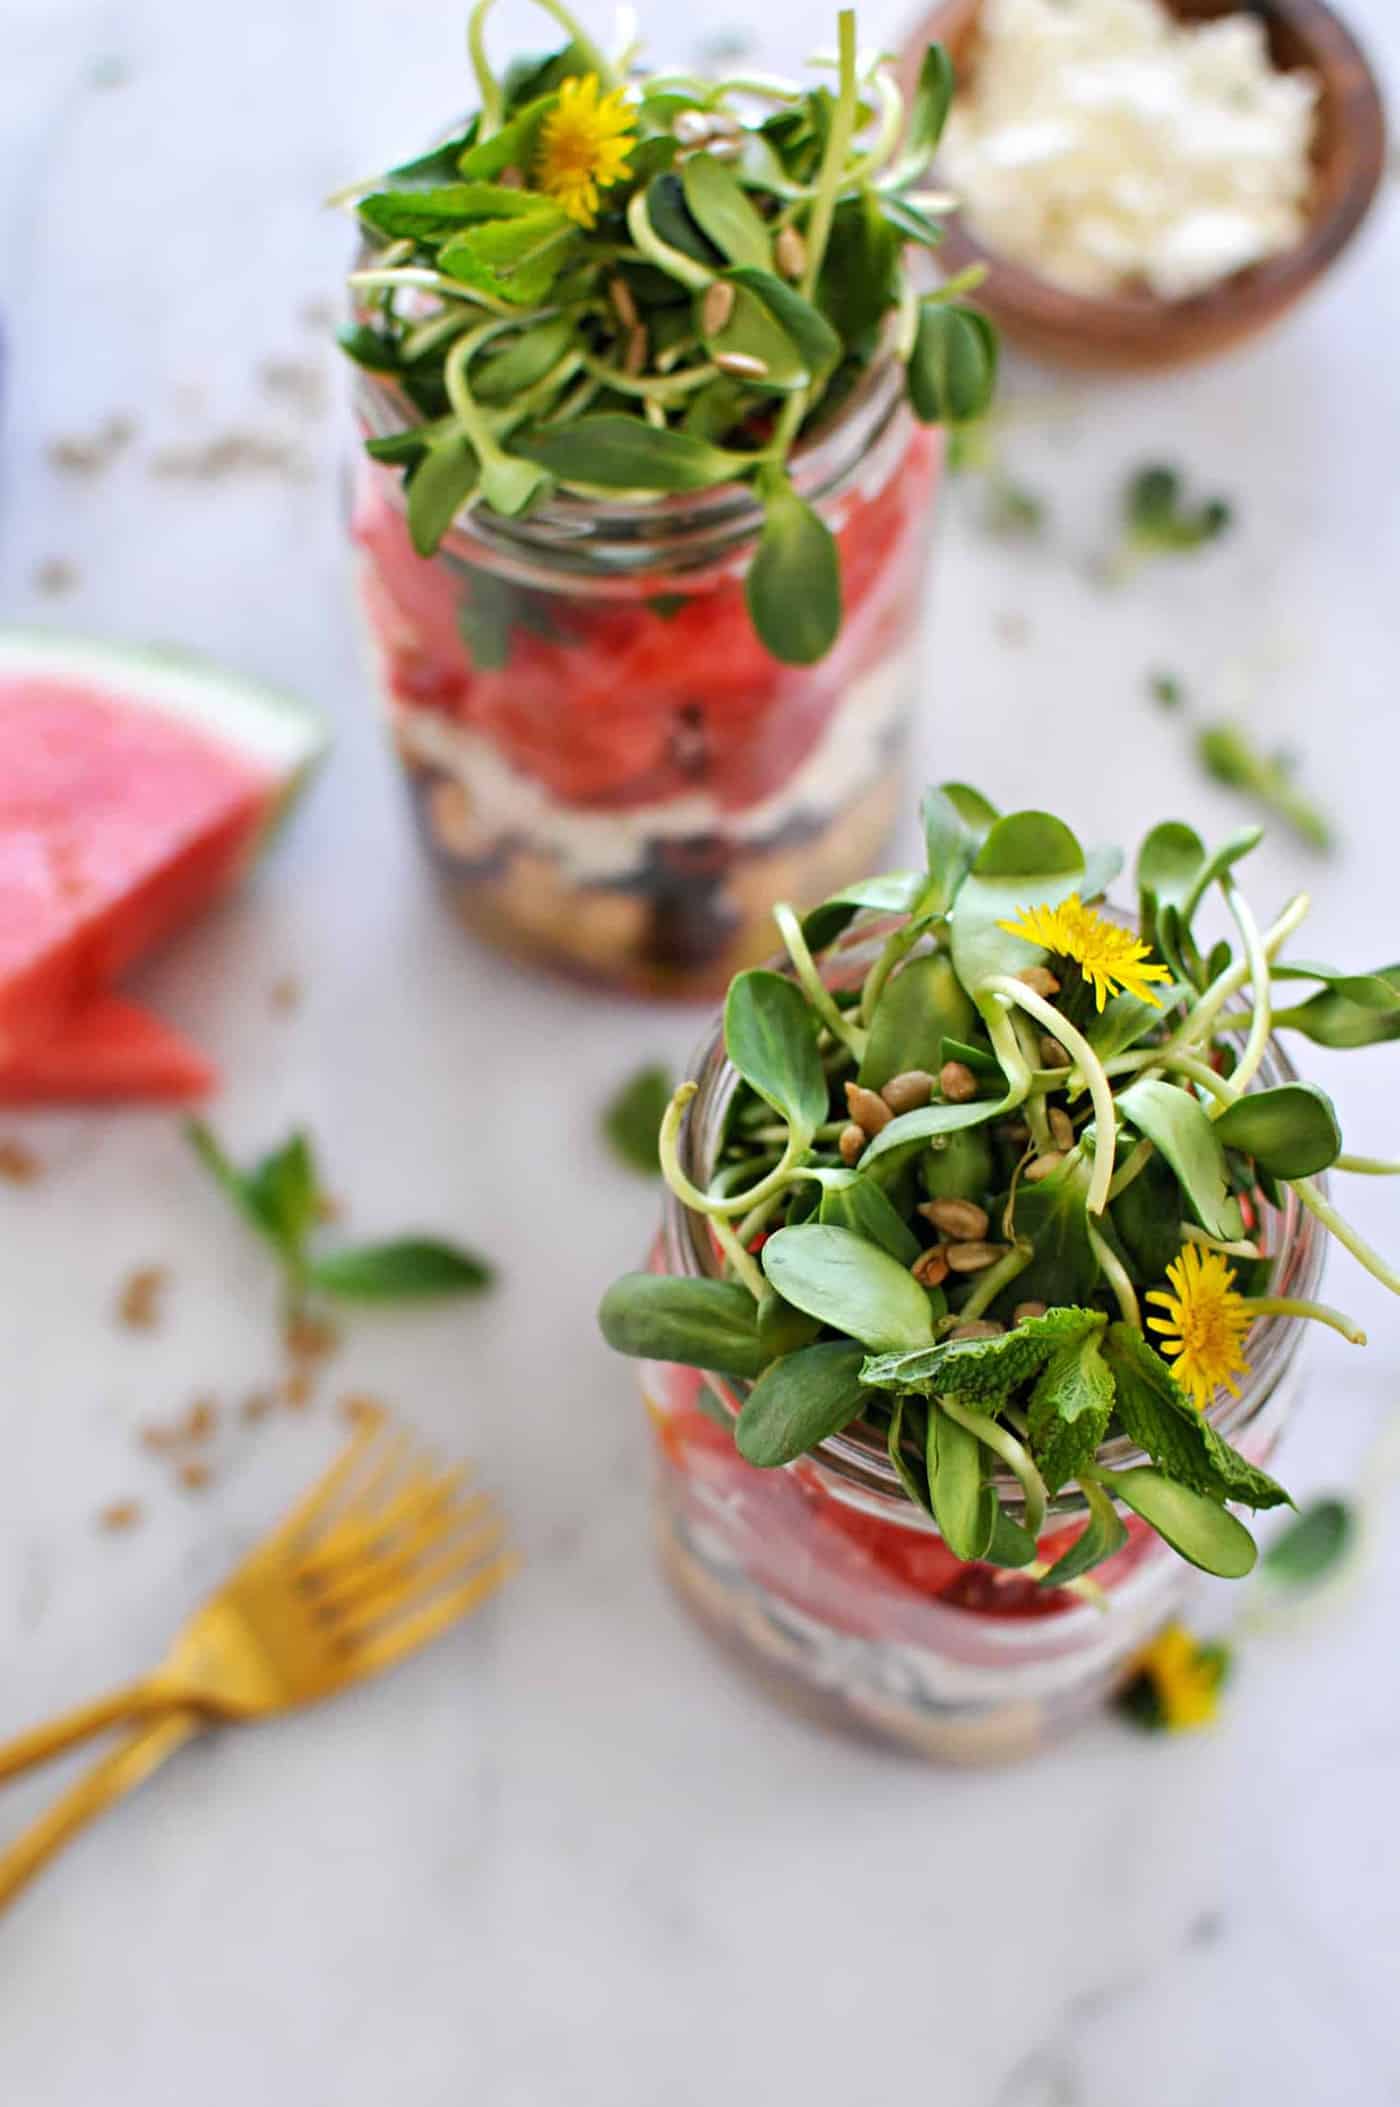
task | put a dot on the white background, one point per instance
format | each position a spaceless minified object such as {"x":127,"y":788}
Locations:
{"x":564,"y":1858}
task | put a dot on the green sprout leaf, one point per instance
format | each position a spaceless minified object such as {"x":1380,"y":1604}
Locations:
{"x":1291,"y":1131}
{"x":928,"y":111}
{"x":800,"y":1401}
{"x":1201,"y":1531}
{"x":1178,"y":1125}
{"x":850,"y":1284}
{"x":406,"y":1269}
{"x":442,"y":483}
{"x":770,"y":1035}
{"x":1335,"y":1016}
{"x":632,"y":1119}
{"x":860,"y":1205}
{"x":1230,"y":756}
{"x":805,"y":326}
{"x":611,"y":451}
{"x":921,"y":1005}
{"x":1102,"y":1537}
{"x":953,"y":365}
{"x":895,"y":893}
{"x":964,"y":1507}
{"x":793,"y":586}
{"x":1029,"y":859}
{"x":699,"y":1323}
{"x":723,"y":211}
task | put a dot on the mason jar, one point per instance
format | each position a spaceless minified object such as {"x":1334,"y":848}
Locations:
{"x":836,"y":1589}
{"x":611,"y":773}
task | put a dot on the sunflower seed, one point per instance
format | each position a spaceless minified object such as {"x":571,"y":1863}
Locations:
{"x":957,"y":1082}
{"x":909,"y":1091}
{"x":867,"y":1109}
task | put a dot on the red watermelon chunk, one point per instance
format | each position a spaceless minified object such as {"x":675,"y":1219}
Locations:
{"x":109,"y":1051}
{"x":134,"y":788}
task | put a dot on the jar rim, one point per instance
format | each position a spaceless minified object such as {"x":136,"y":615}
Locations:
{"x":672,"y":530}
{"x":856,"y":1458}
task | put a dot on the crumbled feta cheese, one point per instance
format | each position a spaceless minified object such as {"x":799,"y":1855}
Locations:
{"x":1104,"y":144}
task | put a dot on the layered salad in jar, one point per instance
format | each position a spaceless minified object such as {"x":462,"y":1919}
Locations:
{"x":651,"y":413}
{"x":994,"y":1221}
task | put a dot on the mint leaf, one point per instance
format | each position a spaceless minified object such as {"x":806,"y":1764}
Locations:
{"x":1155,"y":1412}
{"x":408,"y":1269}
{"x":632,"y":1119}
{"x":984,"y":1371}
{"x":1070,"y":1410}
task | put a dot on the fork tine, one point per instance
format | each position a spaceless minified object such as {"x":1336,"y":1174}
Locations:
{"x":406,"y":1637}
{"x":328,"y":1487}
{"x":392,"y":1567}
{"x":404,"y":1587}
{"x":354,"y":1538}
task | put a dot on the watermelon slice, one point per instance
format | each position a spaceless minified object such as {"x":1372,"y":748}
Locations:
{"x":135,"y":787}
{"x":109,"y":1051}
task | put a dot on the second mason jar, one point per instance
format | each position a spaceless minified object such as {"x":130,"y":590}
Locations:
{"x":826,"y":1581}
{"x":613,"y":775}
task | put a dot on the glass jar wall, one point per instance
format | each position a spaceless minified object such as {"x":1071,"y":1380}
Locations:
{"x":611,"y":772}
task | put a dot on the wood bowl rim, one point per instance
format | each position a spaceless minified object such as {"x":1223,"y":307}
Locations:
{"x":1106,"y":328}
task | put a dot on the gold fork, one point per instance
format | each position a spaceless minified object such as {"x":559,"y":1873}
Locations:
{"x":380,"y":1557}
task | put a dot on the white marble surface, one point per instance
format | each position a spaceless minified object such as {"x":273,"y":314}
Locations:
{"x":565,"y":1860}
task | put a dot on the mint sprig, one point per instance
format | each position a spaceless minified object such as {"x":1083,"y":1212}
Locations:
{"x":281,"y":1198}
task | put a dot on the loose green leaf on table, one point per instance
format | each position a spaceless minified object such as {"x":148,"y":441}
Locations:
{"x":406,"y":1269}
{"x":1313,"y":1547}
{"x":1228,"y":753}
{"x":632,"y":1118}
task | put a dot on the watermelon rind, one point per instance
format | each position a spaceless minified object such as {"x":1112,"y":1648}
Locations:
{"x":275,"y":731}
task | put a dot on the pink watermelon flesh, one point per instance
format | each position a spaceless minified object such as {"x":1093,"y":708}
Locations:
{"x":110,"y":1050}
{"x":118,"y":826}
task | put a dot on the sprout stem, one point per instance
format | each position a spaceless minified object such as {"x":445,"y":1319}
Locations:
{"x":1341,"y":1228}
{"x":739,"y":1258}
{"x":990,"y":1283}
{"x":813,"y":987}
{"x":1115,"y":1273}
{"x":1013,"y":1454}
{"x":1295,"y":1306}
{"x":713,"y":1204}
{"x":1261,"y":1023}
{"x":1089,"y":1066}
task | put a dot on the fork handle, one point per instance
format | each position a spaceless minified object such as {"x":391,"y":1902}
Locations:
{"x":56,"y":1735}
{"x":109,"y":1780}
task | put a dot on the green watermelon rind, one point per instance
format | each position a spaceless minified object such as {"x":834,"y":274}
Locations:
{"x":272,"y":729}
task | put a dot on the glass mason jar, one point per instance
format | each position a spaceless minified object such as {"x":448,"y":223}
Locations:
{"x":612,"y":774}
{"x":826,"y":1579}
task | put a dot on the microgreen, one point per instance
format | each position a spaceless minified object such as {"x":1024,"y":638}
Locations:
{"x":1158,"y":519}
{"x":998,"y":1179}
{"x":1228,"y":754}
{"x":632,"y":1118}
{"x":280,"y":1196}
{"x":615,"y":283}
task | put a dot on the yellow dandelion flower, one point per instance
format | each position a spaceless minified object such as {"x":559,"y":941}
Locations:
{"x":584,"y":144}
{"x":1185,"y":1678}
{"x":1204,"y":1326}
{"x":1108,"y":956}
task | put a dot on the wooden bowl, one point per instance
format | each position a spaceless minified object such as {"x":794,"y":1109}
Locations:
{"x":1139,"y":331}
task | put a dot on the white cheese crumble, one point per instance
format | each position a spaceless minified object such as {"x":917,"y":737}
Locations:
{"x":1104,"y":144}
